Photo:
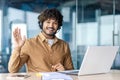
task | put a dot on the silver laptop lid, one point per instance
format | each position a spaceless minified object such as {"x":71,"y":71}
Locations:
{"x":98,"y":59}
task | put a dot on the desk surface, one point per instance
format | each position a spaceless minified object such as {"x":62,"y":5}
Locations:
{"x":112,"y":75}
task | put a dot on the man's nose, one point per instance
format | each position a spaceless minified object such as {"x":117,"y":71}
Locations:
{"x":51,"y":25}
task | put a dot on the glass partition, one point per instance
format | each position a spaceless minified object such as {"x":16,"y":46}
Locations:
{"x":97,"y":24}
{"x":0,"y":28}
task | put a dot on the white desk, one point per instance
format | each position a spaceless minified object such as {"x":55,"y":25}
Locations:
{"x":112,"y":75}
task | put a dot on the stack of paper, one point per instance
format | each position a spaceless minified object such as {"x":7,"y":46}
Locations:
{"x":55,"y":76}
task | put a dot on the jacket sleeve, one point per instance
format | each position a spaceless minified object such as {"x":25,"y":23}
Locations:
{"x":17,"y":59}
{"x":68,"y":64}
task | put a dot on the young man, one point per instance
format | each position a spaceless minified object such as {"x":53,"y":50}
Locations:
{"x":45,"y":52}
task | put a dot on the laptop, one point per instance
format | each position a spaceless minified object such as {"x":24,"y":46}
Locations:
{"x":97,"y":60}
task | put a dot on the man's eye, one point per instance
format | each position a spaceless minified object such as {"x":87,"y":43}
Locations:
{"x":48,"y":22}
{"x":56,"y":23}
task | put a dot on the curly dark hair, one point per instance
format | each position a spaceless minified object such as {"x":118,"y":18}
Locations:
{"x":50,"y":13}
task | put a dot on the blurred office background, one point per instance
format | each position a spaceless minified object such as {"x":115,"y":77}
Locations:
{"x":86,"y":23}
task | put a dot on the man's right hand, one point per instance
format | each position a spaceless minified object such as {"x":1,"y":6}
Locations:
{"x":18,"y":40}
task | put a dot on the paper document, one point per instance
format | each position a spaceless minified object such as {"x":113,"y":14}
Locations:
{"x":55,"y":76}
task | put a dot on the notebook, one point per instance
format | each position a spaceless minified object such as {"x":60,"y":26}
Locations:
{"x":97,"y":59}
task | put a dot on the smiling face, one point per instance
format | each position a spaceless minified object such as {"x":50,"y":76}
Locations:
{"x":50,"y":27}
{"x":50,"y":20}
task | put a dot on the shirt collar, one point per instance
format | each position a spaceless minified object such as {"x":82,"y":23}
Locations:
{"x":43,"y":38}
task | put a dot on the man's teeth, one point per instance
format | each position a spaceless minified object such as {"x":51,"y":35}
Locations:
{"x":50,"y":29}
